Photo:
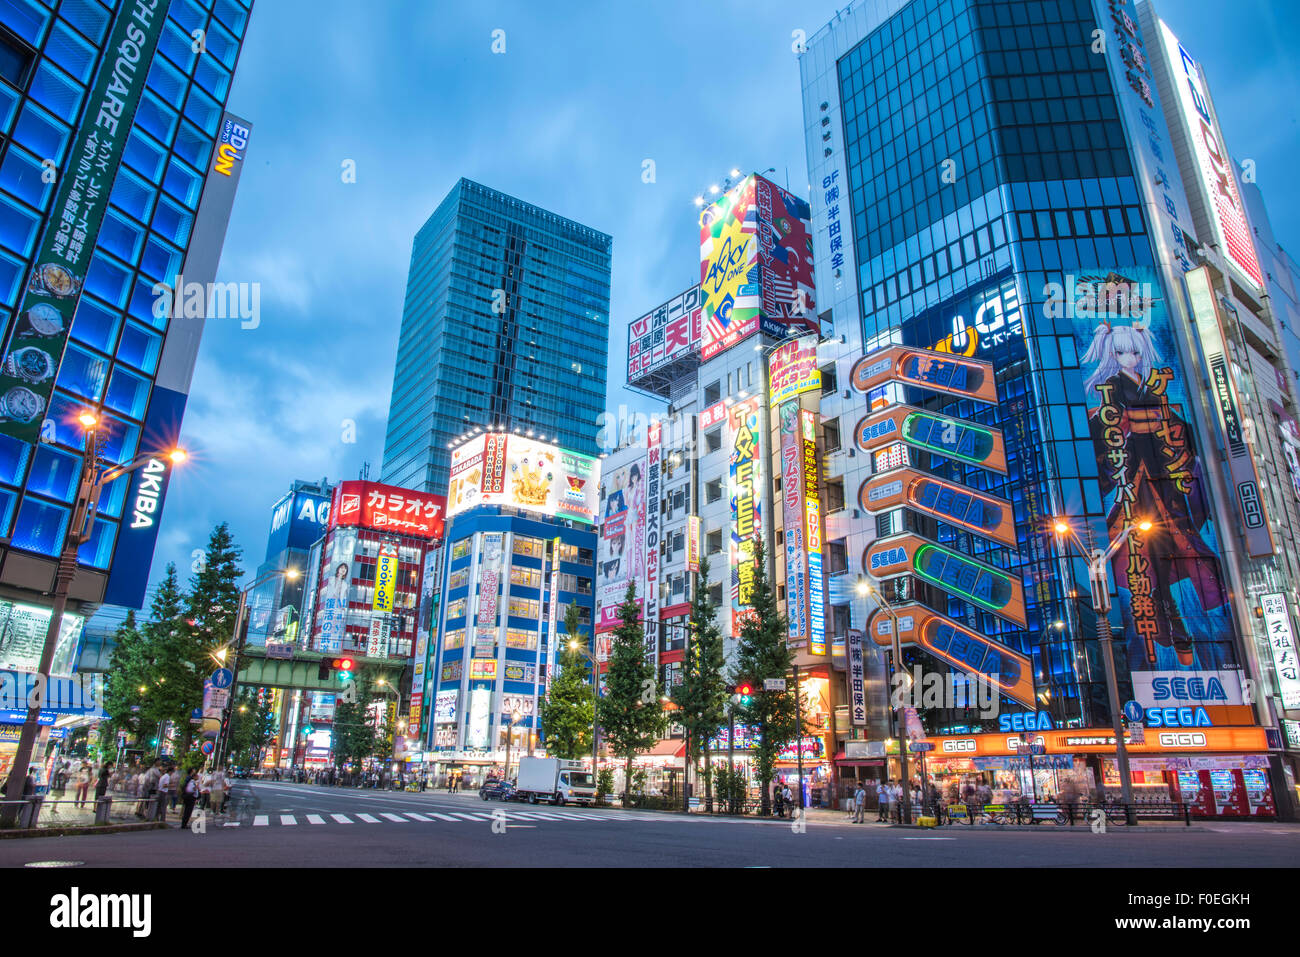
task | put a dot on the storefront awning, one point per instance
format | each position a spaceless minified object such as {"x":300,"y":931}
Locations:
{"x":667,"y":749}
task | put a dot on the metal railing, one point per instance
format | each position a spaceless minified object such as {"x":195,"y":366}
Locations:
{"x":1086,"y":813}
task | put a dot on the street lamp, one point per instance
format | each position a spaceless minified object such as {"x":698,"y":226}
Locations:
{"x":867,"y":590}
{"x":237,"y":639}
{"x":94,"y":476}
{"x":1099,"y":582}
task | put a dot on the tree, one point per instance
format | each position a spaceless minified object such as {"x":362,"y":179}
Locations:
{"x":210,"y":610}
{"x":127,"y":673}
{"x":251,"y":726}
{"x":173,"y":676}
{"x":629,"y":709}
{"x":762,"y":653}
{"x":568,"y":710}
{"x":702,"y":694}
{"x":354,"y":734}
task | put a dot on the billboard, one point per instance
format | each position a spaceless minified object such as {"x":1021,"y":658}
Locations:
{"x":941,"y":435}
{"x":1172,"y":593}
{"x":297,"y":521}
{"x":651,"y":595}
{"x":665,"y":334}
{"x":746,"y":464}
{"x":1217,"y":179}
{"x":444,"y":706}
{"x":934,"y":371}
{"x":334,"y":592}
{"x":792,"y":521}
{"x":385,"y":577}
{"x":756,"y":268}
{"x":693,"y":543}
{"x":792,"y":370}
{"x":40,"y":334}
{"x":813,"y":534}
{"x":1281,"y":642}
{"x":621,"y":548}
{"x":979,"y":512}
{"x":387,"y":508}
{"x":22,"y":638}
{"x":519,"y":472}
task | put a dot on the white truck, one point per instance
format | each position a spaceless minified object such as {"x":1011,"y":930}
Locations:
{"x":555,"y":780}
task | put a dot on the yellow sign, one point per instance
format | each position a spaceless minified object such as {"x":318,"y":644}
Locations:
{"x":385,"y":578}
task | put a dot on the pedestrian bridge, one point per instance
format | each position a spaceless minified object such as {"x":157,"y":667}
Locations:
{"x":302,"y":671}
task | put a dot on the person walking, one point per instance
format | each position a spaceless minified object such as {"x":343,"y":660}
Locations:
{"x":164,"y":793}
{"x":205,"y":789}
{"x":83,"y":784}
{"x":217,"y":797}
{"x":101,"y":785}
{"x":882,"y":801}
{"x":189,"y":797}
{"x":787,"y":797}
{"x":778,"y":799}
{"x":859,"y":804}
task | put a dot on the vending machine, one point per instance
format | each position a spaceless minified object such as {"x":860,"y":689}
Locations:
{"x":1258,"y":793}
{"x":1229,"y":792}
{"x":1193,"y":790}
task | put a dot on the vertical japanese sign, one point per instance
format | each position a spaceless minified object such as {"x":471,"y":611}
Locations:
{"x":792,"y":521}
{"x":1241,"y":461}
{"x":553,"y":622}
{"x":1281,"y":641}
{"x":651,"y":623}
{"x":385,"y":577}
{"x":40,"y":334}
{"x":812,"y":532}
{"x":489,"y":582}
{"x":693,"y":543}
{"x":746,"y":502}
{"x":857,"y":678}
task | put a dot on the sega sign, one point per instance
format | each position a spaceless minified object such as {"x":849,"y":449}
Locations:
{"x":1178,"y":718}
{"x":1025,"y":721}
{"x":1163,"y":689}
{"x":888,"y":558}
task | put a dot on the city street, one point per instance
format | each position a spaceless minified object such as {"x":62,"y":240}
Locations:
{"x":304,"y":826}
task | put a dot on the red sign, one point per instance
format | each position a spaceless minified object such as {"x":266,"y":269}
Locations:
{"x":387,"y":508}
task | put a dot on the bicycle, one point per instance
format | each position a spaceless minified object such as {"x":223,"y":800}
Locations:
{"x":241,"y":807}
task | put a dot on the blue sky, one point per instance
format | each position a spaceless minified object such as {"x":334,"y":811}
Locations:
{"x":413,"y":94}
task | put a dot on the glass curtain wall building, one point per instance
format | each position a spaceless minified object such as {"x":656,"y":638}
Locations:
{"x":505,"y":327}
{"x":120,"y":356}
{"x":975,"y":179}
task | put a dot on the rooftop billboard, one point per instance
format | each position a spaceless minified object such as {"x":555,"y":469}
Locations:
{"x":387,"y":508}
{"x":500,"y":469}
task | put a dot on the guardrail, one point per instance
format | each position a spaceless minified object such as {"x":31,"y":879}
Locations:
{"x":1064,"y":815}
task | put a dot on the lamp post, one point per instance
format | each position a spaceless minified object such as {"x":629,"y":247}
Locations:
{"x":238,"y":639}
{"x":867,"y":590}
{"x":79,"y":531}
{"x":1099,"y":582}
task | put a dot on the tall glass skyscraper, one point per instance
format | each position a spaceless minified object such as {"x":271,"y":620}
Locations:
{"x":505,"y":327}
{"x":992,"y":180}
{"x":168,"y":204}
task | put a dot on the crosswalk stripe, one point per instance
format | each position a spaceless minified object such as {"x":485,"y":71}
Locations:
{"x":261,"y":820}
{"x":368,"y":819}
{"x":471,"y":817}
{"x":527,"y":815}
{"x":570,"y":817}
{"x":393,"y":817}
{"x":288,"y":819}
{"x":445,"y":817}
{"x":315,"y":819}
{"x":546,"y":817}
{"x":341,"y":818}
{"x":414,"y":816}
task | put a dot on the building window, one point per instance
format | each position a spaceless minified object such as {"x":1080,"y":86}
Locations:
{"x":831,"y":430}
{"x":828,"y":379}
{"x":837,"y":557}
{"x":520,"y":638}
{"x":712,"y":440}
{"x":712,"y":393}
{"x":527,"y":577}
{"x":835,"y":495}
{"x":524,"y":607}
{"x":715,"y":595}
{"x":713,"y":491}
{"x":16,"y":59}
{"x":713,"y":542}
{"x":529,"y":547}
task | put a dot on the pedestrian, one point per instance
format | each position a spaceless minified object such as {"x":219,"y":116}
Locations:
{"x":882,"y":801}
{"x":859,"y":803}
{"x":101,"y":786}
{"x":218,"y":786}
{"x":164,"y":793}
{"x":189,"y":797}
{"x":205,"y":790}
{"x":83,"y":784}
{"x":787,"y":798}
{"x":778,"y":799}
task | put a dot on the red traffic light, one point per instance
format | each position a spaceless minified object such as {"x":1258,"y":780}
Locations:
{"x":343,"y":664}
{"x":745,"y":689}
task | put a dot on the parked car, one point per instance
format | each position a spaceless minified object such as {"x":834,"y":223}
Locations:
{"x":497,"y":790}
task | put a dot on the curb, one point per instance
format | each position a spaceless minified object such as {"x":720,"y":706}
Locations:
{"x":77,"y":831}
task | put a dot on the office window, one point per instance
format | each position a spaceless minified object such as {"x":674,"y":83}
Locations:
{"x":16,"y":59}
{"x":837,"y":557}
{"x":831,"y":432}
{"x":713,"y":440}
{"x":828,"y":379}
{"x":713,"y":491}
{"x":712,"y":393}
{"x":835,"y":495}
{"x":713,"y":542}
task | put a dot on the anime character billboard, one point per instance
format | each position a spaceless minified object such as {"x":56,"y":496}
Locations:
{"x":1172,"y":592}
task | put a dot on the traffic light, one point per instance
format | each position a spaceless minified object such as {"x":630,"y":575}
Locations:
{"x":746,"y":692}
{"x":345,"y":667}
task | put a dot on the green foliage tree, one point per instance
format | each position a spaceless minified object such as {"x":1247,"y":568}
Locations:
{"x":354,"y":732}
{"x":702,"y":694}
{"x":762,"y":653}
{"x":568,"y":710}
{"x":128,"y":671}
{"x":211,"y":608}
{"x":173,"y":674}
{"x":251,"y":727}
{"x":629,"y":710}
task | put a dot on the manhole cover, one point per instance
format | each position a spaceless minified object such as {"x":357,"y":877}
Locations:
{"x":55,"y":864}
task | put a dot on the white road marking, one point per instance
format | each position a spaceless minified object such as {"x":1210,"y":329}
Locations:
{"x":468,"y":817}
{"x":368,"y":819}
{"x":414,"y":816}
{"x":288,"y":819}
{"x":261,"y":820}
{"x":393,"y":817}
{"x":315,"y":819}
{"x":341,"y":818}
{"x":445,"y":817}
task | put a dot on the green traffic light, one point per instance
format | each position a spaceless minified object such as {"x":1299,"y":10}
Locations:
{"x":345,"y":676}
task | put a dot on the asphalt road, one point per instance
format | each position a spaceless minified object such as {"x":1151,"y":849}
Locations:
{"x":305,"y":825}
